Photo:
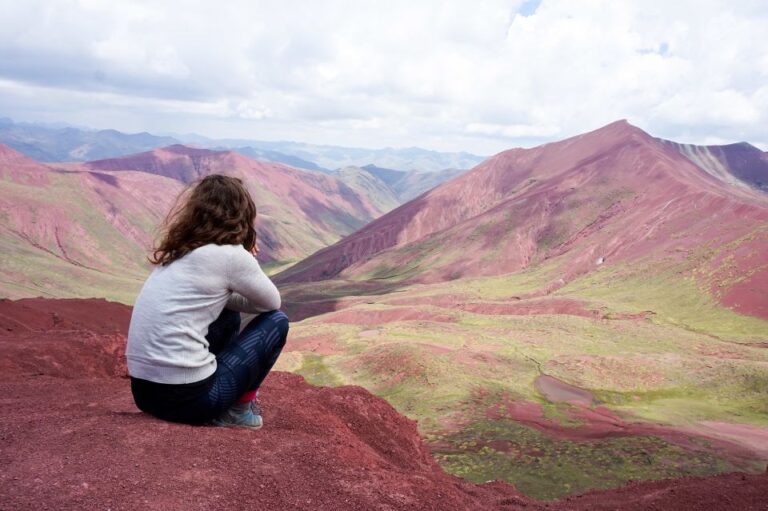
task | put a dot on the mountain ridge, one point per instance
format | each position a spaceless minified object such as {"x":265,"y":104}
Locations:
{"x":581,"y":196}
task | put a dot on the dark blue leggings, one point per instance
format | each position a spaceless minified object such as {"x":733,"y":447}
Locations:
{"x":243,"y":361}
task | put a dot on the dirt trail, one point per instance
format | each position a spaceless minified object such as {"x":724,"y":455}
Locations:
{"x":72,"y":439}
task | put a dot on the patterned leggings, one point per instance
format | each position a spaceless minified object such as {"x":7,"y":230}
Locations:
{"x":243,"y":361}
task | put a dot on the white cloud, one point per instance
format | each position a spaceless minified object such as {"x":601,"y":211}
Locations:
{"x":513,"y":130}
{"x":450,"y":75}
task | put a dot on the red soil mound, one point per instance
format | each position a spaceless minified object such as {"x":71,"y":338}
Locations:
{"x":64,"y":338}
{"x":41,"y":314}
{"x":80,"y":443}
{"x":727,"y":491}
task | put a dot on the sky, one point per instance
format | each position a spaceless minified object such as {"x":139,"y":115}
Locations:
{"x":453,"y":75}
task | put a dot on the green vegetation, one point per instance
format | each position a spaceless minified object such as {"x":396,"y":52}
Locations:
{"x":674,"y":297}
{"x":547,"y":468}
{"x":689,"y":361}
{"x":316,"y":372}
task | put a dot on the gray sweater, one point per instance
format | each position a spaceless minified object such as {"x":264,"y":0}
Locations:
{"x":166,"y":337}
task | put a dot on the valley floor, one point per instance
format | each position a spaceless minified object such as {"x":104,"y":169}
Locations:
{"x":557,"y":391}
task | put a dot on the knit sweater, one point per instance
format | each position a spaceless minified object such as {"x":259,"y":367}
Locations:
{"x":166,"y":336}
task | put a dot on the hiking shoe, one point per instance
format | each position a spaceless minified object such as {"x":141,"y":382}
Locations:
{"x":256,"y":407}
{"x":241,"y":415}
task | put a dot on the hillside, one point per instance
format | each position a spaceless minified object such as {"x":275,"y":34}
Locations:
{"x":615,"y":196}
{"x":389,"y":188}
{"x":86,"y":229}
{"x":737,"y":164}
{"x":74,"y":440}
{"x":67,"y":234}
{"x":299,"y":211}
{"x":407,"y":185}
{"x":364,"y":182}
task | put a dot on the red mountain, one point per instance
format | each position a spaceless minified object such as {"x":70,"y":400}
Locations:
{"x":739,"y":164}
{"x":76,"y":233}
{"x":614,"y":195}
{"x":85,"y":229}
{"x":299,"y":211}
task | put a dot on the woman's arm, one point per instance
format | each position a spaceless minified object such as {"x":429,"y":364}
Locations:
{"x":252,"y":290}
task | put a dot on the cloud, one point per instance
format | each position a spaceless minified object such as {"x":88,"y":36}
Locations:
{"x":450,"y":75}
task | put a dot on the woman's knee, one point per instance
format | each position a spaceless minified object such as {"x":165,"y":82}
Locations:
{"x":277,"y":316}
{"x":280,"y":319}
{"x":272,"y":321}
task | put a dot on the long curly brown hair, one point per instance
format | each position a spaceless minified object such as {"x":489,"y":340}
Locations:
{"x":217,"y":209}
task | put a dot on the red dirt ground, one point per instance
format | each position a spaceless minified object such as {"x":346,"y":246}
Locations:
{"x":72,"y":439}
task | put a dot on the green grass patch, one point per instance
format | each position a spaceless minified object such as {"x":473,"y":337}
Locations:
{"x":675,"y":299}
{"x":547,"y":468}
{"x":316,"y":372}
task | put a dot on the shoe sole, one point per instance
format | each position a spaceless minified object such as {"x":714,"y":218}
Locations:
{"x":222,"y":424}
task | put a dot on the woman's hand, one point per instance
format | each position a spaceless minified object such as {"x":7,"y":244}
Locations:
{"x":255,"y":249}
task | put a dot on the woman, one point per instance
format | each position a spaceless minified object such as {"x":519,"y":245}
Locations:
{"x":187,"y":358}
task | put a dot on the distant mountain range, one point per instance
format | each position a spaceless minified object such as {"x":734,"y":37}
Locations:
{"x":49,"y":144}
{"x":58,"y":144}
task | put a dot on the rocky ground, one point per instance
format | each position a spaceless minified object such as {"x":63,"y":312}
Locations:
{"x":72,"y":439}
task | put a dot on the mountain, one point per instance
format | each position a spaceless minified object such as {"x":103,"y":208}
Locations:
{"x":571,"y":316}
{"x":47,"y":144}
{"x":278,"y":157}
{"x":612,"y":196}
{"x":320,"y":448}
{"x":334,"y":157}
{"x":299,"y":211}
{"x":84,"y":229}
{"x":411,"y":184}
{"x":737,"y":164}
{"x":364,"y":182}
{"x":393,"y":187}
{"x":76,"y":233}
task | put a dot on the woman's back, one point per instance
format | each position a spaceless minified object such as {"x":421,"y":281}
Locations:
{"x":166,"y":337}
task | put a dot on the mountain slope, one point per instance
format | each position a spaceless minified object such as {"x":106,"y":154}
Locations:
{"x":736,"y":164}
{"x":367,"y":184}
{"x":611,"y":196}
{"x":76,"y":233}
{"x":85,"y":229}
{"x":299,"y":211}
{"x":410,"y":184}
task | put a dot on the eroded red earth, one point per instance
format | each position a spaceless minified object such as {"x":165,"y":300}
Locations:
{"x":73,"y":439}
